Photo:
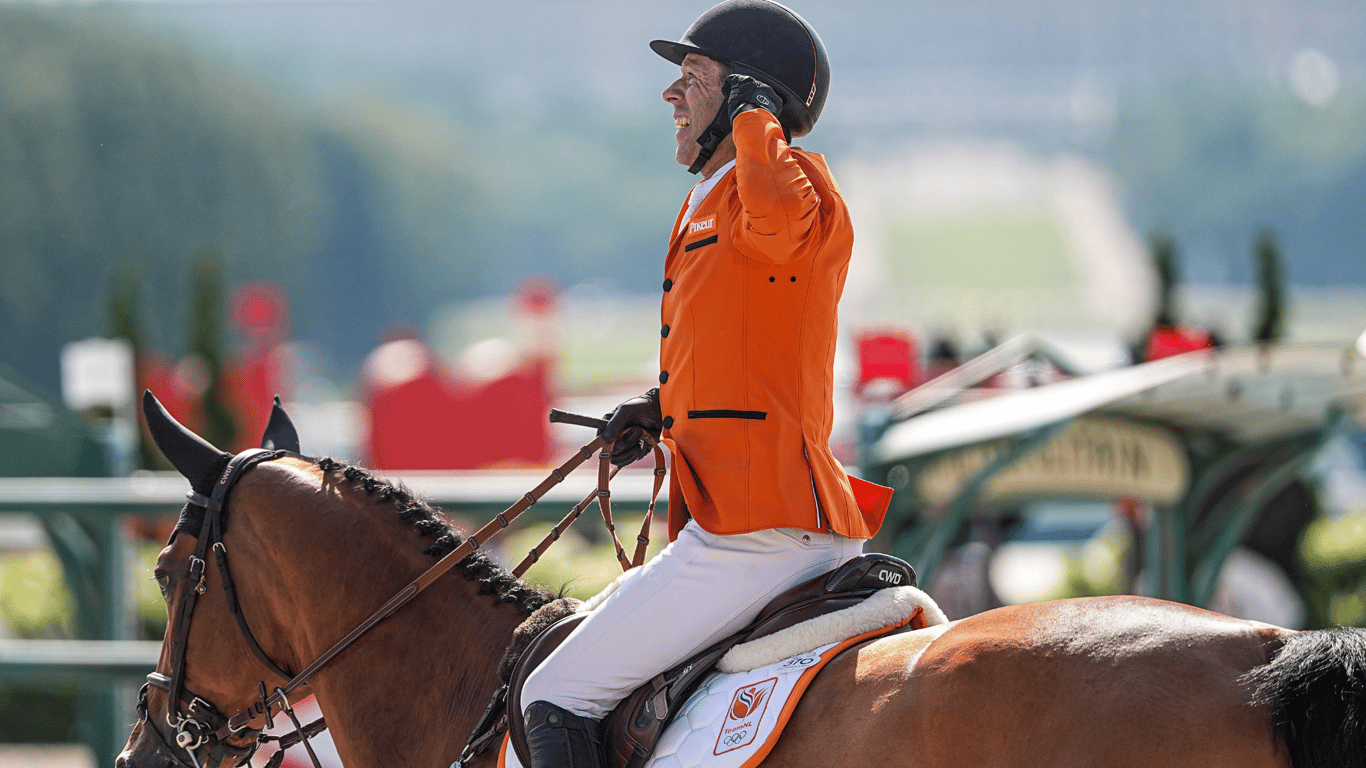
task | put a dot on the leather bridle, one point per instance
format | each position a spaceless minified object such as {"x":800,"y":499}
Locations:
{"x":201,"y":729}
{"x":198,"y":723}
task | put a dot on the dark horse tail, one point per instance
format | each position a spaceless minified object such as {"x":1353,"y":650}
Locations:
{"x":1316,"y":689}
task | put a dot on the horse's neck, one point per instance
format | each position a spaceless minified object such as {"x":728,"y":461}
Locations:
{"x":412,"y":690}
{"x":409,"y":691}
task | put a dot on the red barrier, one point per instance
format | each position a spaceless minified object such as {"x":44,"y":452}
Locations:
{"x":423,"y":418}
{"x":888,"y":354}
{"x":1167,"y":341}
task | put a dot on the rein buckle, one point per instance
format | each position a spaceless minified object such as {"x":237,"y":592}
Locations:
{"x":198,"y":570}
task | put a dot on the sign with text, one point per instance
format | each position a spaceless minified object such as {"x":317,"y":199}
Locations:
{"x":1091,"y":457}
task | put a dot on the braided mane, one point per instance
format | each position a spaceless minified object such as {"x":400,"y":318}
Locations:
{"x":431,"y":523}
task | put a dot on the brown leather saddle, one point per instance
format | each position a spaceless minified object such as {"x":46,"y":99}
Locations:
{"x":632,"y":729}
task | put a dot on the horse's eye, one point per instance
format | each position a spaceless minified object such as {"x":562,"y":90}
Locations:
{"x":160,"y":576}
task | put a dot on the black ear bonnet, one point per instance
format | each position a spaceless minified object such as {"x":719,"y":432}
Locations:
{"x":280,"y":433}
{"x":198,"y":460}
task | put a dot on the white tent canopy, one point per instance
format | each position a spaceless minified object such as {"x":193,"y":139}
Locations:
{"x":1247,"y":394}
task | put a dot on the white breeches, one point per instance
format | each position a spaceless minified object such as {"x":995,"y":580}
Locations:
{"x":698,"y":590}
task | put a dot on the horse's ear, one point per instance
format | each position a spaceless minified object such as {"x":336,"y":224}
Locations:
{"x":280,"y":432}
{"x":189,"y":453}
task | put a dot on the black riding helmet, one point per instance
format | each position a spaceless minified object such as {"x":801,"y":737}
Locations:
{"x":768,"y":41}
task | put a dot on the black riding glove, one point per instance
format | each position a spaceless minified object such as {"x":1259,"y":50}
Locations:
{"x":743,"y":91}
{"x":629,"y":424}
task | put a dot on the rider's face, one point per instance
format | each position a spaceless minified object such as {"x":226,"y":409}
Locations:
{"x":696,"y":98}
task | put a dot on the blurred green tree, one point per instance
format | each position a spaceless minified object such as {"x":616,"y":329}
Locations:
{"x":1269,"y":325}
{"x":370,"y":208}
{"x":115,"y":140}
{"x":1166,"y":264}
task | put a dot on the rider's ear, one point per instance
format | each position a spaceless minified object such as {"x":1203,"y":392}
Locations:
{"x":280,"y":433}
{"x":189,"y":453}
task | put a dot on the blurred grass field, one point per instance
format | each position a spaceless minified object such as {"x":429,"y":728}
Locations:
{"x":982,"y":253}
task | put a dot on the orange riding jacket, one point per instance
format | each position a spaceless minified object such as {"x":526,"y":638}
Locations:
{"x":752,"y":285}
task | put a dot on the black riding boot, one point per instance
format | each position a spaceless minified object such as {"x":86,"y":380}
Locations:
{"x":558,"y":738}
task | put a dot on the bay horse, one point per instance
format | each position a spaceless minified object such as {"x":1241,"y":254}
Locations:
{"x":316,"y":546}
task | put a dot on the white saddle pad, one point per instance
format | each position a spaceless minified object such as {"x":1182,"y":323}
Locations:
{"x":735,"y":717}
{"x":731,"y":717}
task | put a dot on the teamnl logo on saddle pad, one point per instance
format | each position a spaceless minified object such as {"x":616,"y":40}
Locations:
{"x":742,"y":719}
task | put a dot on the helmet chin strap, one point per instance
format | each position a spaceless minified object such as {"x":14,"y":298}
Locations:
{"x":711,"y":138}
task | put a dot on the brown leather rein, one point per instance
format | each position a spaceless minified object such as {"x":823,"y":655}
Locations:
{"x":202,"y":724}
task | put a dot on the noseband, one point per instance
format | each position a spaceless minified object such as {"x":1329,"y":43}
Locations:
{"x":199,"y":725}
{"x":195,"y":728}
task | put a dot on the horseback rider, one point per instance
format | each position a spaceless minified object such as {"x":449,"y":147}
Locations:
{"x":752,"y":281}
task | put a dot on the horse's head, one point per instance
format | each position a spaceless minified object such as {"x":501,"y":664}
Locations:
{"x":207,"y":668}
{"x":318,"y":551}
